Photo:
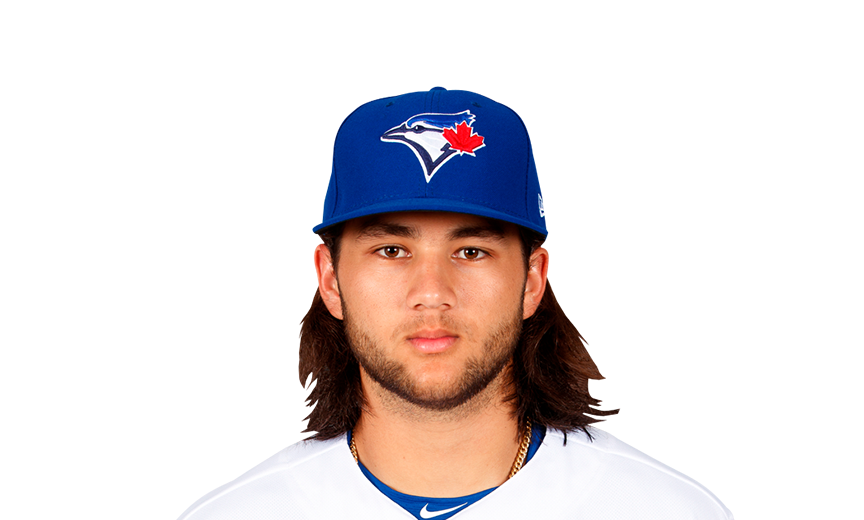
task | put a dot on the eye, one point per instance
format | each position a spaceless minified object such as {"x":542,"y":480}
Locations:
{"x":392,"y":252}
{"x":418,"y":128}
{"x":470,"y":253}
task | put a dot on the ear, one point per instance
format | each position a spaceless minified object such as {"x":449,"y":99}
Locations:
{"x":328,"y":285}
{"x":535,"y":282}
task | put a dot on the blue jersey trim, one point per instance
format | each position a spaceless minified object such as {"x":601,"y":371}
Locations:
{"x":415,"y":504}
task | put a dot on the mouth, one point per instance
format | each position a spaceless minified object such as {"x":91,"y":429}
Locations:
{"x":432,"y":341}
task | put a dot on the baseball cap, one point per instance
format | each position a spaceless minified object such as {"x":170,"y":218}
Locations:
{"x":441,"y":150}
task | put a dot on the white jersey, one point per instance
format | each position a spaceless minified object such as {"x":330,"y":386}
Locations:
{"x":603,"y":479}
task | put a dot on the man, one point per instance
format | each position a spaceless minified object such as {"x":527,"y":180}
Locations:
{"x":449,"y":383}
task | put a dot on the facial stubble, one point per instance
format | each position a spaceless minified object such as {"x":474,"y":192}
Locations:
{"x":478,"y":374}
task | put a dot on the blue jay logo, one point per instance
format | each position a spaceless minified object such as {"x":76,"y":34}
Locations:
{"x":437,"y":138}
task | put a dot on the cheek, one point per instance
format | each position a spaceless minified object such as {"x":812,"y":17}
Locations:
{"x":372,"y":292}
{"x":492,"y":294}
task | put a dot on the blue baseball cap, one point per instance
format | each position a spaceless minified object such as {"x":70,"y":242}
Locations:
{"x":442,"y":150}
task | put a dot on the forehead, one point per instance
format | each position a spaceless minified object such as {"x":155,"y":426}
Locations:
{"x":417,"y":224}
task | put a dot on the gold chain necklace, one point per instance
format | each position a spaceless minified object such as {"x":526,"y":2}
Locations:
{"x":517,"y":464}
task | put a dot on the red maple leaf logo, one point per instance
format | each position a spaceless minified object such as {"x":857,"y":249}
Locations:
{"x":463,"y":140}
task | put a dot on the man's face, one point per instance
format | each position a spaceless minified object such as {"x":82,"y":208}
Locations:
{"x":432,"y":302}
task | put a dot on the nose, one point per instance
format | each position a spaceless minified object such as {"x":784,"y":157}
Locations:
{"x":431,"y":284}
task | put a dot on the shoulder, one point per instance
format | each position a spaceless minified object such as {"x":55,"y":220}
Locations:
{"x":277,"y":484}
{"x":619,"y":478}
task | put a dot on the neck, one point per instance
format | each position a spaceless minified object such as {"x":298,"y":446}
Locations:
{"x":438,"y":454}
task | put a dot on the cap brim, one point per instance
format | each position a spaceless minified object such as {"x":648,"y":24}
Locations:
{"x":430,"y":204}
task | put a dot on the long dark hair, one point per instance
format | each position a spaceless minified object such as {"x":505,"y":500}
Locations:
{"x":550,"y":372}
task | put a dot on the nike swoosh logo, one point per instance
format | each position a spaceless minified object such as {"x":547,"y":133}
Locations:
{"x":425,"y":513}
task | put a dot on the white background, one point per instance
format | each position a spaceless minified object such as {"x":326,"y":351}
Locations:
{"x":61,"y":147}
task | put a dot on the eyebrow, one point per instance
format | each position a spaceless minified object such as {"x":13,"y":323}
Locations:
{"x":382,"y":229}
{"x":488,"y":231}
{"x":375,"y":228}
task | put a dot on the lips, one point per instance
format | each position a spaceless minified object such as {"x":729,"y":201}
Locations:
{"x":432,"y":341}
